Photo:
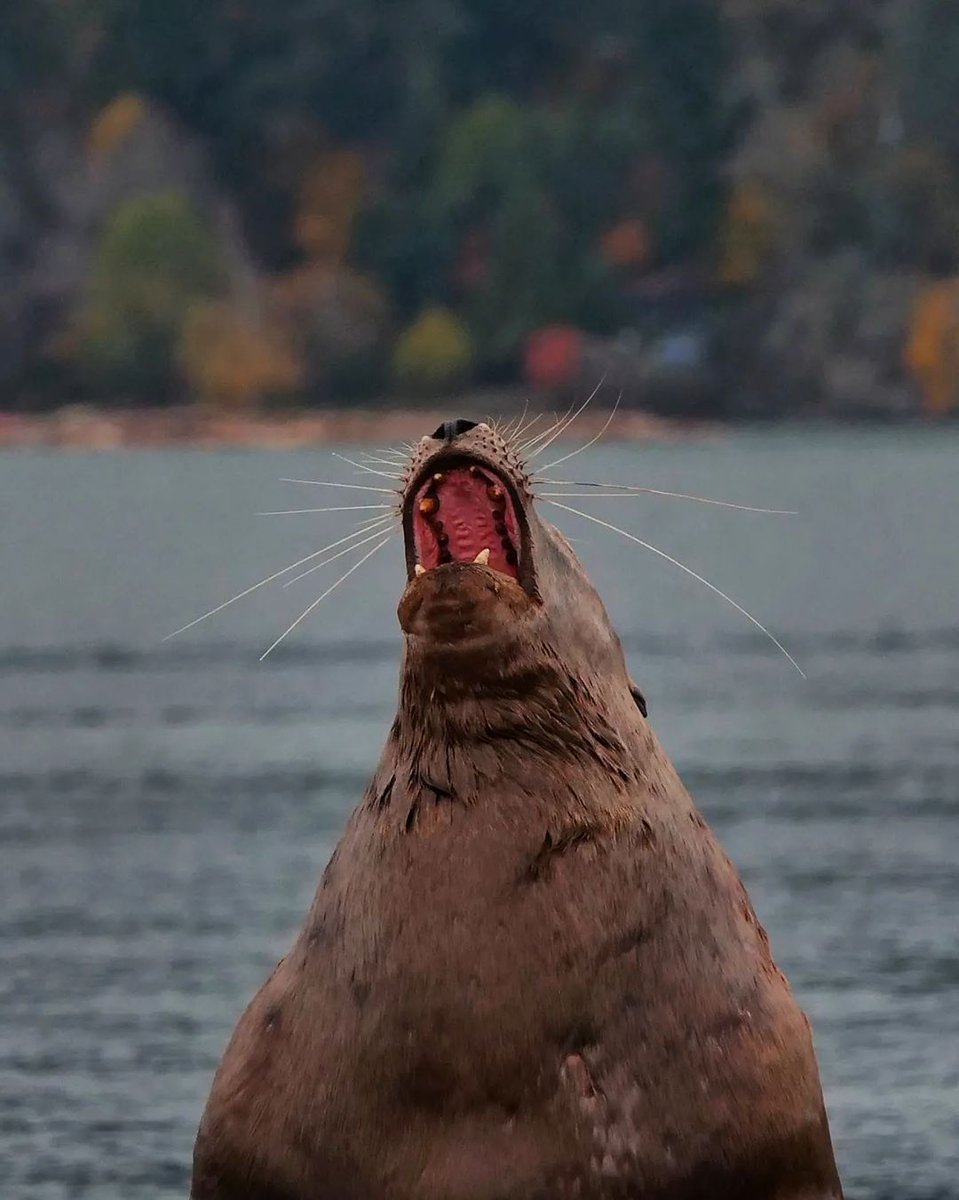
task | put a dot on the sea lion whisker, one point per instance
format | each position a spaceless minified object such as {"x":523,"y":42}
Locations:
{"x":527,"y":442}
{"x":592,"y":441}
{"x":385,"y":462}
{"x":513,"y":428}
{"x":361,"y":467}
{"x":293,"y":512}
{"x":358,"y":487}
{"x":516,"y":425}
{"x":525,"y":435}
{"x":689,"y":571}
{"x":262,"y":583}
{"x":332,"y":588}
{"x":498,"y":426}
{"x":339,"y":554}
{"x":582,"y":408}
{"x":623,"y":489}
{"x":381,"y":455}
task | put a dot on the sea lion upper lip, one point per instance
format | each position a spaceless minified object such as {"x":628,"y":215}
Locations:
{"x":446,"y":459}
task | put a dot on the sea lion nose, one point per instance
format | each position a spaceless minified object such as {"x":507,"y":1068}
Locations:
{"x":449,"y":431}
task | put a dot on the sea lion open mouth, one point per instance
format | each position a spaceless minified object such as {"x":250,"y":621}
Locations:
{"x":465,"y":503}
{"x":468,"y":528}
{"x":464,"y":511}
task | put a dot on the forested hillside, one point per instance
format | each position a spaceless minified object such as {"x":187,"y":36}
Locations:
{"x":748,"y":206}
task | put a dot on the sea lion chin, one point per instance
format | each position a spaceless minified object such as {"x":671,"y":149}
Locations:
{"x":529,"y":971}
{"x":461,"y":603}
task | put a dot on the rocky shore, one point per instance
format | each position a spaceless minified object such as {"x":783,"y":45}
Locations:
{"x":91,"y":428}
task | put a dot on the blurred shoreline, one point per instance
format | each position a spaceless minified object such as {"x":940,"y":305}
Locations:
{"x":88,"y":427}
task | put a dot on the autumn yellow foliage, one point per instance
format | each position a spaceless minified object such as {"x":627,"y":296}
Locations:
{"x":746,"y":235}
{"x":433,"y":354}
{"x":115,"y":123}
{"x":932,"y":351}
{"x":231,"y":362}
{"x":330,"y":197}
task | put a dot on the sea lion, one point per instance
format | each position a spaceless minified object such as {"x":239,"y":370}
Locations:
{"x":529,"y":972}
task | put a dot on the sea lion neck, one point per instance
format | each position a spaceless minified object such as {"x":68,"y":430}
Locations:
{"x":482,"y":717}
{"x":489,"y":685}
{"x":490,"y":753}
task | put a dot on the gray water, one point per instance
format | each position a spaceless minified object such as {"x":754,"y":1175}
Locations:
{"x":167,"y":808}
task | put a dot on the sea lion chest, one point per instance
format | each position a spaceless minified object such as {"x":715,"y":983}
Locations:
{"x":473,"y":987}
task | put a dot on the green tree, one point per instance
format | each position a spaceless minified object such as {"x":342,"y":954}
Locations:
{"x":250,"y":78}
{"x":497,"y":174}
{"x":156,"y":258}
{"x":512,"y":133}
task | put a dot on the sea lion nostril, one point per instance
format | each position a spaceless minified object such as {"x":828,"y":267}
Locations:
{"x":449,"y":431}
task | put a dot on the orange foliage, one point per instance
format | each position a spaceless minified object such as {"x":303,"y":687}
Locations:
{"x":552,"y":358}
{"x":746,"y":235}
{"x":230,"y":362}
{"x":627,"y":245}
{"x":114,"y":124}
{"x":330,"y":198}
{"x":932,"y":351}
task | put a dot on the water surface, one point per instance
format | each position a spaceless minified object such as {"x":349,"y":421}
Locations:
{"x":168,"y":807}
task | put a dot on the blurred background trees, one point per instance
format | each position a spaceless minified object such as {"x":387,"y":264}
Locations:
{"x":323,"y":200}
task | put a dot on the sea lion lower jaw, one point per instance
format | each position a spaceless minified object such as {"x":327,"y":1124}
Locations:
{"x":529,"y":971}
{"x":461,"y":602}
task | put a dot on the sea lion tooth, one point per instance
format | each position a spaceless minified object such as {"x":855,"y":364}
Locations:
{"x":482,"y":558}
{"x":428,"y":505}
{"x":419,"y":569}
{"x":439,"y":477}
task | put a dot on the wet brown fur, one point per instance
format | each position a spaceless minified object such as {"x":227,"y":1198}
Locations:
{"x":529,"y":972}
